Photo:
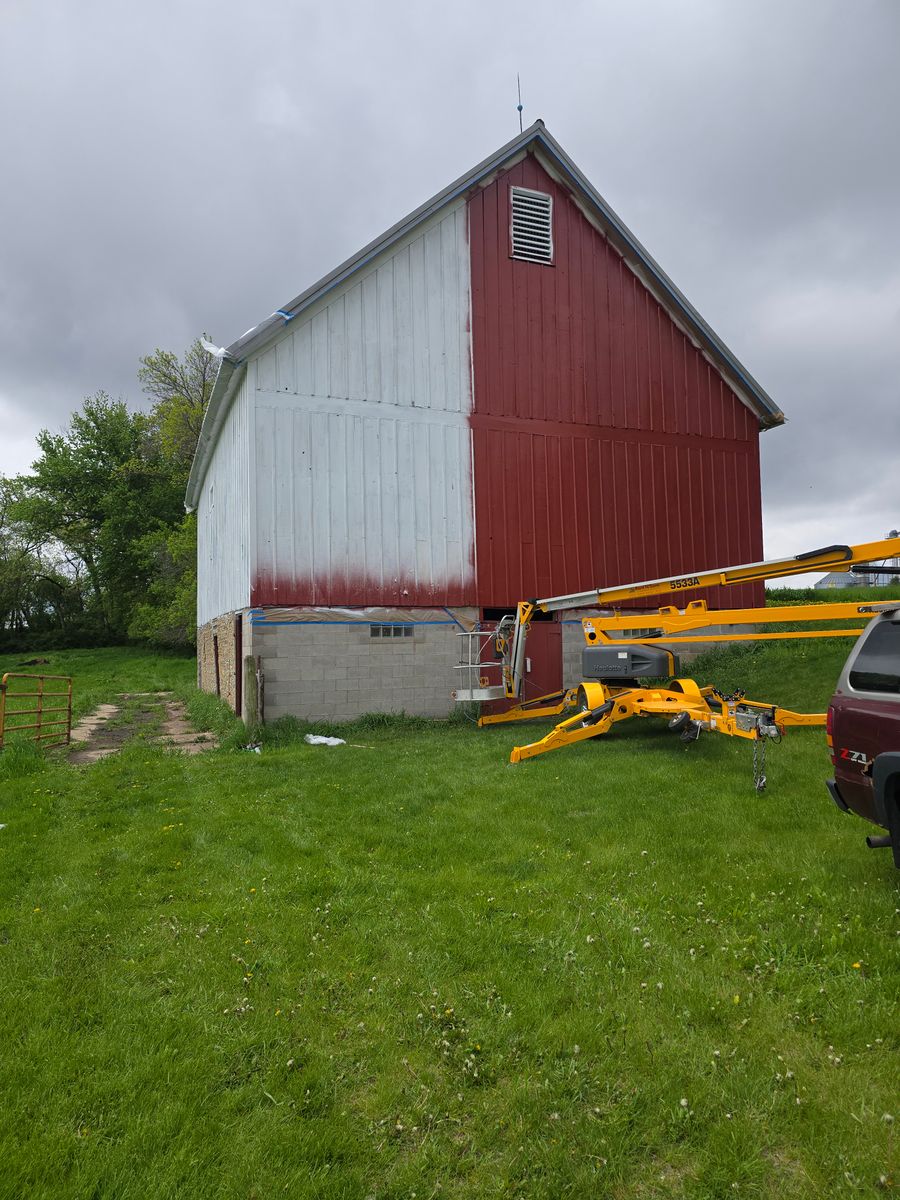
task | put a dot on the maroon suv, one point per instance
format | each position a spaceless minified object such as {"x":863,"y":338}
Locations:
{"x":864,"y":730}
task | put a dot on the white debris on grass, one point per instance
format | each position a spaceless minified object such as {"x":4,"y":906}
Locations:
{"x":315,"y":739}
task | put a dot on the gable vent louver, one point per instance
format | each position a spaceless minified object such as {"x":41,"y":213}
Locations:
{"x":532,"y":225}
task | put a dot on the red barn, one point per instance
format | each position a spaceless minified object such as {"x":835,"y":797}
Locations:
{"x":504,"y":396}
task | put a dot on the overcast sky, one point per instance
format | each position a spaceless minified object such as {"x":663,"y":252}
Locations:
{"x":173,"y":168}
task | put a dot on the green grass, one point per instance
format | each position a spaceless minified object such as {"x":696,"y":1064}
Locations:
{"x":812,"y":595}
{"x":405,"y":968}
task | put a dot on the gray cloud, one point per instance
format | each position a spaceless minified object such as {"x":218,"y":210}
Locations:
{"x":180,"y":167}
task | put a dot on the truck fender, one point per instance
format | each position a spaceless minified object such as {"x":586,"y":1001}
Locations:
{"x":886,"y":788}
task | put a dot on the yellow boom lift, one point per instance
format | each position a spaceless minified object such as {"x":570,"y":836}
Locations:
{"x":612,"y":666}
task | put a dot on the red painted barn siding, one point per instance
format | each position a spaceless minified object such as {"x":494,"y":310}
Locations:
{"x":606,"y":448}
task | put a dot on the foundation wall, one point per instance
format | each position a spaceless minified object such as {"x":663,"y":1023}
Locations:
{"x":331,"y":664}
{"x":336,"y":672}
{"x":217,"y":637}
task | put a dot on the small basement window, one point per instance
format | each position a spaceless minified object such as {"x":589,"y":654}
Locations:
{"x":531,"y":226}
{"x":391,"y":631}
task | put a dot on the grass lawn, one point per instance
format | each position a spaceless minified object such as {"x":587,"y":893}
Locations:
{"x":404,"y":968}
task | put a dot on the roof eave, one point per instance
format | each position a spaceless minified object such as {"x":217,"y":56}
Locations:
{"x":228,"y":380}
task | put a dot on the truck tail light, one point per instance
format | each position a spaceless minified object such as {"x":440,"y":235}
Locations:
{"x":829,"y":731}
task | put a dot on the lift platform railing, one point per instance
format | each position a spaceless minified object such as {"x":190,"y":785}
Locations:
{"x":50,"y":709}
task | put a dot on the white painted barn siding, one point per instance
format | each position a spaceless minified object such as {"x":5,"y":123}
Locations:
{"x":363,"y":447}
{"x":223,"y":517}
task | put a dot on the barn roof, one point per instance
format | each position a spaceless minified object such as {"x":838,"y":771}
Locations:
{"x":537,"y":140}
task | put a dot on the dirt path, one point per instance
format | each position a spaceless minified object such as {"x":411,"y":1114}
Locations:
{"x":154,"y":716}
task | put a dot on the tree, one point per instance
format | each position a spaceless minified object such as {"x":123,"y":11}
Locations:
{"x":96,"y":490}
{"x":96,"y":535}
{"x":168,"y":614}
{"x":40,"y":589}
{"x":181,"y":389}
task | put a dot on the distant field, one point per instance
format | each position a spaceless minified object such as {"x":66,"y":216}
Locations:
{"x":403,"y":968}
{"x":811,"y":595}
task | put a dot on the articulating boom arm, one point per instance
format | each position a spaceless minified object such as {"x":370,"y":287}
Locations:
{"x":832,"y":558}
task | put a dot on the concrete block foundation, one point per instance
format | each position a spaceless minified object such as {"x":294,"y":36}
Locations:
{"x":337,"y":664}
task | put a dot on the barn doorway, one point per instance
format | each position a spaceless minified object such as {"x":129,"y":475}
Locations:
{"x":543,"y":656}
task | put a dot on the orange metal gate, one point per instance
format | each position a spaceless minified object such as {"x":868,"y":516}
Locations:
{"x":51,"y":721}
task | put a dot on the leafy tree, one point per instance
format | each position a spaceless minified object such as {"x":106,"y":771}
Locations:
{"x":96,"y":490}
{"x":181,"y":388}
{"x":168,"y":614}
{"x":95,"y":538}
{"x":39,"y":590}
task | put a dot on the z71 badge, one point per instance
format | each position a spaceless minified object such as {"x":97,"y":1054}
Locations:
{"x":856,"y":756}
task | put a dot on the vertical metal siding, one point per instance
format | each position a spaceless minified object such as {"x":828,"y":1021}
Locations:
{"x":397,"y":335}
{"x":606,"y":447}
{"x":363,"y":459}
{"x":223,"y":517}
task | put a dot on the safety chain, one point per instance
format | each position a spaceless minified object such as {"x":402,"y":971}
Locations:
{"x":759,"y":763}
{"x":729,"y":698}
